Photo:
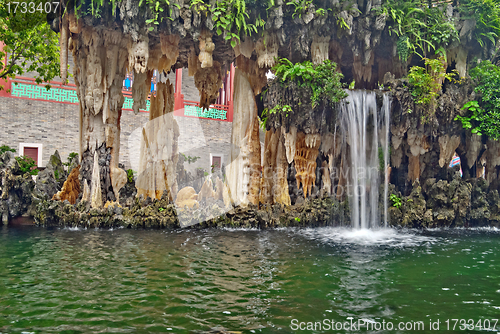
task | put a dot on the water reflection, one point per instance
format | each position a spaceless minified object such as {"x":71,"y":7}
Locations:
{"x":153,"y":281}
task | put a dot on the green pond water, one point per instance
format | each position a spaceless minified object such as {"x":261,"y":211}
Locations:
{"x":272,"y":281}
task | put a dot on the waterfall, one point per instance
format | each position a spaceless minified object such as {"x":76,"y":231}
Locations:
{"x":365,"y":142}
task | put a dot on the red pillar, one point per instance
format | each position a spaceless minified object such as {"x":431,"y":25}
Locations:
{"x":5,"y":83}
{"x":179,"y":98}
{"x":231,"y":94}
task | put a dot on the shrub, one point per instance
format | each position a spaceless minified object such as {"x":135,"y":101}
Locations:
{"x":5,"y":148}
{"x":396,"y":201}
{"x":425,"y":83}
{"x":484,"y":115}
{"x":130,"y":175}
{"x":27,"y":165}
{"x":322,"y":79}
{"x":71,"y":156}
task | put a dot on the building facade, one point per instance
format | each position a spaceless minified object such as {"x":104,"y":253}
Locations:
{"x":36,"y":121}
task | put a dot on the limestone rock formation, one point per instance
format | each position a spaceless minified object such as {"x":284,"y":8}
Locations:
{"x":206,"y":190}
{"x":267,"y":50}
{"x":243,"y":173}
{"x":307,"y":150}
{"x":71,"y":188}
{"x":95,"y":187}
{"x":187,"y":197}
{"x":208,"y":80}
{"x":159,"y":148}
{"x":16,"y":189}
{"x":206,"y":49}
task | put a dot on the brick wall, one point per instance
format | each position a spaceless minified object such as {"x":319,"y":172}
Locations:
{"x":56,"y":126}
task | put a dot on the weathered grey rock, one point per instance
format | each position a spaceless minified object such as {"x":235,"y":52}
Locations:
{"x":15,"y":189}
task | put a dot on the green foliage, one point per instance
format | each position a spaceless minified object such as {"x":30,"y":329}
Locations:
{"x":301,"y":6}
{"x":229,"y":17}
{"x":156,"y":7}
{"x":27,"y":165}
{"x":297,"y":219}
{"x":322,"y":79}
{"x":161,"y":210}
{"x":381,"y":158}
{"x":130,"y":175}
{"x":421,"y":28}
{"x":486,"y":14}
{"x":30,"y":44}
{"x":426,"y":82}
{"x":189,"y":158}
{"x":285,"y":109}
{"x":56,"y":174}
{"x":5,"y":148}
{"x":484,"y":115}
{"x":396,"y":201}
{"x":71,"y":156}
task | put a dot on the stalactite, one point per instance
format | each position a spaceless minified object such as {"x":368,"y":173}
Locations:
{"x":473,"y":145}
{"x":363,"y":71}
{"x":208,"y":81}
{"x":341,"y":186}
{"x":255,"y":75}
{"x":328,"y":143}
{"x":140,"y":90}
{"x":155,"y":53}
{"x":63,"y":45}
{"x":94,"y":94}
{"x":255,"y":162}
{"x":159,"y":148}
{"x":170,"y":50}
{"x":193,"y":63}
{"x":319,"y":49}
{"x":244,"y":48}
{"x":267,"y":50}
{"x":100,"y":57}
{"x":413,"y":167}
{"x":307,"y":149}
{"x":95,"y":187}
{"x":325,"y":177}
{"x":447,"y":147}
{"x":70,"y":189}
{"x":241,"y":176}
{"x":269,"y":166}
{"x":138,"y":54}
{"x":75,"y":25}
{"x":419,"y":143}
{"x":492,"y":157}
{"x":281,"y":194}
{"x":290,"y":138}
{"x":206,"y":49}
{"x":459,"y":57}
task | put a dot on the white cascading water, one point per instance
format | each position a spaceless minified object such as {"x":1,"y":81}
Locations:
{"x":365,"y":131}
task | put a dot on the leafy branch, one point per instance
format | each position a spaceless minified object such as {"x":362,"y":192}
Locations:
{"x":322,"y":79}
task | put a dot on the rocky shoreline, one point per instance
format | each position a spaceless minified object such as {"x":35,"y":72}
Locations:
{"x":454,"y":202}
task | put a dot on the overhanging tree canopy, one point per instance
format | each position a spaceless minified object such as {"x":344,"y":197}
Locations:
{"x":30,"y":44}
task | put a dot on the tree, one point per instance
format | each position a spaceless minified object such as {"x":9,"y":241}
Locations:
{"x":30,"y":44}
